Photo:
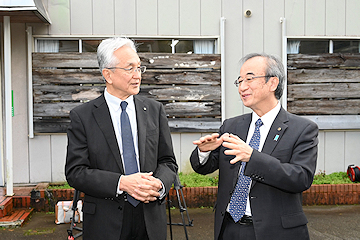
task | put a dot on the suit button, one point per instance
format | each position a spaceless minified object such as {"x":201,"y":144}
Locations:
{"x":222,"y":213}
{"x":120,"y":208}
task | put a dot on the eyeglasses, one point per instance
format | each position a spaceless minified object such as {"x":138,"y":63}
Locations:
{"x":247,"y":79}
{"x":131,"y":70}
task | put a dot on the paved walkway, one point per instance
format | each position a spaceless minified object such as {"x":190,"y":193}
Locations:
{"x":325,"y":223}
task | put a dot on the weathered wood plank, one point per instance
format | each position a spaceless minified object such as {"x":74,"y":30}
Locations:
{"x":324,"y":107}
{"x":65,"y":60}
{"x":192,"y":109}
{"x":180,"y":60}
{"x":176,"y":109}
{"x":51,"y":93}
{"x":322,"y":75}
{"x":48,"y":93}
{"x":60,"y":125}
{"x":151,"y":76}
{"x":194,"y":76}
{"x":66,"y":76}
{"x":54,"y":109}
{"x":346,"y":60}
{"x":325,"y":90}
{"x":151,"y":60}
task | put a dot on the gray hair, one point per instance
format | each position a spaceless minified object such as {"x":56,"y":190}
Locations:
{"x":106,"y":49}
{"x":274,"y":68}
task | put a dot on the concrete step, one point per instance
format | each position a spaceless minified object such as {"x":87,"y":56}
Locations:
{"x":6,"y":205}
{"x":16,"y":218}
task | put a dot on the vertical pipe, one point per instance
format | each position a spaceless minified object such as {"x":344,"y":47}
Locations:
{"x":222,"y":49}
{"x":284,"y":59}
{"x":30,"y":83}
{"x":8,"y":107}
{"x":331,"y":46}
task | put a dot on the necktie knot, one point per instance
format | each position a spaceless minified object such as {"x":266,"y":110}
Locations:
{"x":259,"y":123}
{"x":123,"y":105}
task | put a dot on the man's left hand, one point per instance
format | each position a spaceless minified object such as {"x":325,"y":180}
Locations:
{"x":238,"y":148}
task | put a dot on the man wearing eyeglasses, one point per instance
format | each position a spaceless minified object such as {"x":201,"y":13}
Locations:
{"x":120,"y":152}
{"x":266,"y":159}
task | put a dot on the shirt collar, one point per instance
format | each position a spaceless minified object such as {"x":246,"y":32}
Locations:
{"x":114,"y":102}
{"x":269,"y":117}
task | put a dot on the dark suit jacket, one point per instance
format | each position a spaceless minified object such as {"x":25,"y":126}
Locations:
{"x":280,"y":173}
{"x":94,"y":165}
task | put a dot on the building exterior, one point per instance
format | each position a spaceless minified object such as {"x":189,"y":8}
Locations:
{"x":236,"y":27}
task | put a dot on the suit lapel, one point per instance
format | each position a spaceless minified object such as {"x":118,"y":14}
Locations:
{"x":102,"y":116}
{"x":141,"y":118}
{"x":276,"y":131}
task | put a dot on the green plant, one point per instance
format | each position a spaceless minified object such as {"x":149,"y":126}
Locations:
{"x":198,"y":180}
{"x":333,"y":178}
{"x":63,"y":185}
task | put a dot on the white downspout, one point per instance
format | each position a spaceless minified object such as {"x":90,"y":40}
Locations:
{"x":30,"y":83}
{"x":222,"y":51}
{"x":284,"y":59}
{"x":8,"y":106}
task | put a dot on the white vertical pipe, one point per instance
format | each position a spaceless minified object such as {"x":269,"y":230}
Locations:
{"x":284,"y":59}
{"x":331,"y":46}
{"x":222,"y":49}
{"x":30,"y":83}
{"x":8,"y":106}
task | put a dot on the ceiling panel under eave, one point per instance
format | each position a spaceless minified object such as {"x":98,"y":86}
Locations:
{"x":24,"y":11}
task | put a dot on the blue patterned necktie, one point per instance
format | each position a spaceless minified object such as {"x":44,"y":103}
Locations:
{"x":239,"y":198}
{"x":129,"y":154}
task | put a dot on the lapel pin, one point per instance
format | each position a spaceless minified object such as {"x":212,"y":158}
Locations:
{"x":279,"y":128}
{"x":144,"y":108}
{"x":276,"y":137}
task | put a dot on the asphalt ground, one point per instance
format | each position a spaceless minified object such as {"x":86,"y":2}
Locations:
{"x":325,"y":223}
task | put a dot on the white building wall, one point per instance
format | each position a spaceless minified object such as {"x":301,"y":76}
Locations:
{"x":192,"y":18}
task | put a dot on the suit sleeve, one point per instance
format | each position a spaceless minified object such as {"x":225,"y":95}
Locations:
{"x":80,"y":172}
{"x":291,"y":166}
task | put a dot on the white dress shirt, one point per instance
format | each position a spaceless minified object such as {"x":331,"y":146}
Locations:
{"x":115,"y":112}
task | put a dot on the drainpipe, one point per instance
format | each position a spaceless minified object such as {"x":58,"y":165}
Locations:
{"x":222,"y":49}
{"x":8,"y":108}
{"x":284,"y":59}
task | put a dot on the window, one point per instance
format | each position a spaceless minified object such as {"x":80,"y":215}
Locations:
{"x":317,"y":46}
{"x":199,"y":46}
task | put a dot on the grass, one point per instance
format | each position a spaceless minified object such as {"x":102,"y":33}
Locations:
{"x":333,"y":178}
{"x":63,"y":185}
{"x":198,"y":180}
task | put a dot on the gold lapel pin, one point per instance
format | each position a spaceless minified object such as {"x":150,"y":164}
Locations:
{"x":144,"y":108}
{"x":279,"y":128}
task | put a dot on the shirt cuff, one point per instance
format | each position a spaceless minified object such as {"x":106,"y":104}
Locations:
{"x":118,"y":191}
{"x":203,"y":156}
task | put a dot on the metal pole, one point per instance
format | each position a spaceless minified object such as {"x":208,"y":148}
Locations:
{"x":30,"y":83}
{"x":284,"y":59}
{"x":8,"y":107}
{"x":222,"y":49}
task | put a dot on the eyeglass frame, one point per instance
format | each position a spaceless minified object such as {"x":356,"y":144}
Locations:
{"x":141,"y":69}
{"x":249,"y":78}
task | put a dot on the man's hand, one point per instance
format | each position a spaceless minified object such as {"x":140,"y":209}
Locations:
{"x":141,"y":186}
{"x":209,"y":142}
{"x":238,"y":148}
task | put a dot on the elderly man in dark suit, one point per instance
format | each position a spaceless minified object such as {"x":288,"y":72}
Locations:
{"x":120,"y":152}
{"x":266,"y":159}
